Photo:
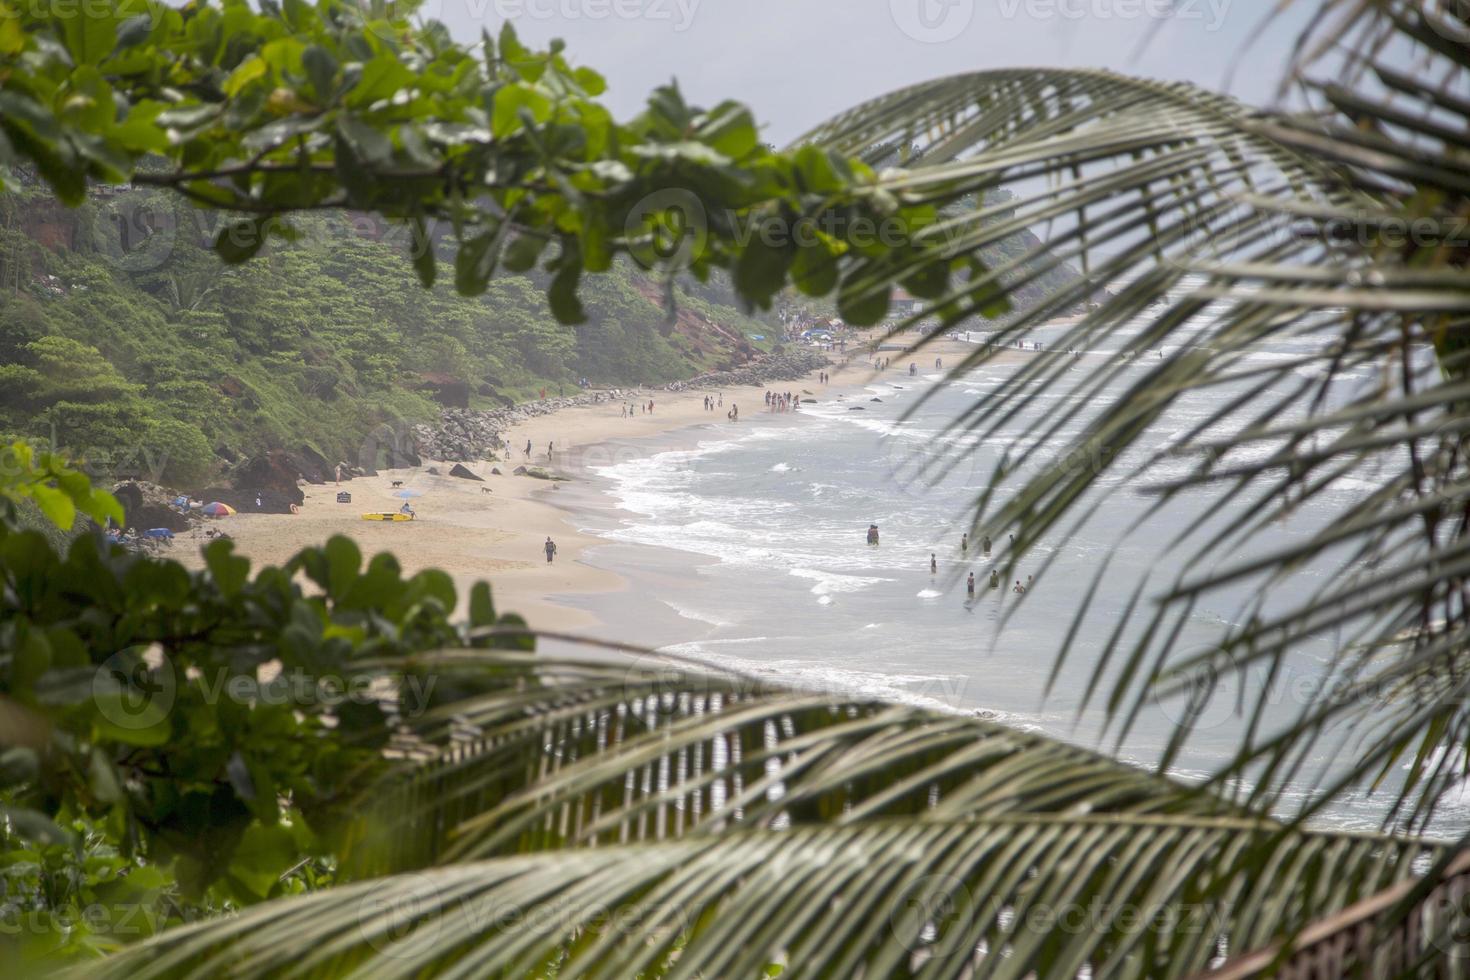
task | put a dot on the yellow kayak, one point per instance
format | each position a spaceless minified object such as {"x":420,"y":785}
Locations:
{"x":387,"y":517}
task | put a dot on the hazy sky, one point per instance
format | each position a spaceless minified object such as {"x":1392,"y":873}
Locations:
{"x":797,"y":62}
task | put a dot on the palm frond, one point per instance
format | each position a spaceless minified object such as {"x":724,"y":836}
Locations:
{"x":1205,"y":230}
{"x":1017,"y":895}
{"x":567,"y":753}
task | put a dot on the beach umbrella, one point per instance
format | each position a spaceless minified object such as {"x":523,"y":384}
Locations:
{"x":217,"y":509}
{"x":409,"y":494}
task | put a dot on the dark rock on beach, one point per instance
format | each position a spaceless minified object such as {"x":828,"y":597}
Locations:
{"x":146,"y":506}
{"x":464,"y":473}
{"x":272,"y":475}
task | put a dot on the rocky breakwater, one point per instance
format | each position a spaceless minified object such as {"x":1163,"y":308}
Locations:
{"x":464,"y":435}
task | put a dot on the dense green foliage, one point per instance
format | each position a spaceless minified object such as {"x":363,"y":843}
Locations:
{"x":176,"y":742}
{"x":140,"y":362}
{"x":642,"y":822}
{"x":272,"y":112}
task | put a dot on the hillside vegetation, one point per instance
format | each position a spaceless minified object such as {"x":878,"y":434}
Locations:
{"x":136,"y":362}
{"x":127,"y":344}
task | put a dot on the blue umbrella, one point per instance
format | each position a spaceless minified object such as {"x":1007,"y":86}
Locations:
{"x":409,"y":494}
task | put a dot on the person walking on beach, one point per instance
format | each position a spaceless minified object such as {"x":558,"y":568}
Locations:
{"x":550,"y":547}
{"x":970,"y":585}
{"x":934,"y":564}
{"x":938,"y":364}
{"x":550,"y":448}
{"x":528,"y":448}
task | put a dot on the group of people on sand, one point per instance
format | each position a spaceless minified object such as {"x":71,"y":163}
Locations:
{"x":712,"y":402}
{"x":777,"y":401}
{"x":631,"y":409}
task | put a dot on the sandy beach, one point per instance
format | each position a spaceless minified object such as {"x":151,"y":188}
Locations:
{"x":499,"y":535}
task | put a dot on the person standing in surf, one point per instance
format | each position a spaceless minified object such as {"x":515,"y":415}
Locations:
{"x":933,"y":564}
{"x":970,"y":585}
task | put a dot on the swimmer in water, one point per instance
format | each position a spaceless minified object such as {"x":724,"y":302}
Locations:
{"x":933,"y":564}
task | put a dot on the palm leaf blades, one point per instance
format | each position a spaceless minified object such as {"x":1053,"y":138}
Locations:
{"x":568,"y":753}
{"x":708,"y":826}
{"x":1333,"y":240}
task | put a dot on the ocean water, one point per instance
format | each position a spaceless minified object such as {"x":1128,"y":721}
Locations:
{"x":773,"y":513}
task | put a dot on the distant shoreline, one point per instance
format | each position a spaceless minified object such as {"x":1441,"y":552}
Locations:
{"x":499,"y":536}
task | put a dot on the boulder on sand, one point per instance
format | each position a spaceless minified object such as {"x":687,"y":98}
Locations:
{"x":518,"y":471}
{"x":272,"y":475}
{"x":495,"y":471}
{"x":313,"y":466}
{"x":464,"y":473}
{"x":146,"y":509}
